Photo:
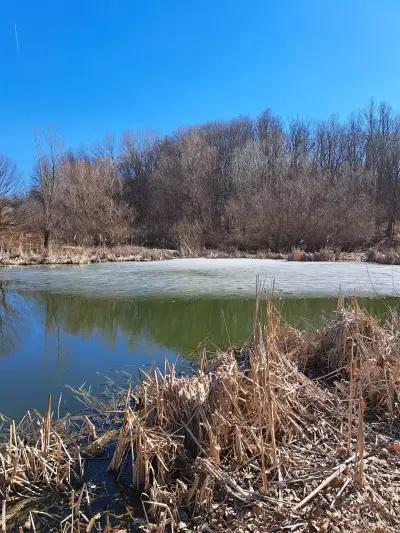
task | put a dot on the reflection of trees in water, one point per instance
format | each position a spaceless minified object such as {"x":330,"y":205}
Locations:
{"x":11,"y":321}
{"x":178,"y":325}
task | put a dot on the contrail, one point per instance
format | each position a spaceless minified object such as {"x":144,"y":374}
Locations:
{"x":16,"y":38}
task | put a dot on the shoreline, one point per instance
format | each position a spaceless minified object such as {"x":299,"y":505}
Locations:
{"x":76,"y":255}
{"x":79,"y":255}
{"x":254,"y":439}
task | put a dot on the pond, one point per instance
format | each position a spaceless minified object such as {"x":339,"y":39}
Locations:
{"x":69,"y":325}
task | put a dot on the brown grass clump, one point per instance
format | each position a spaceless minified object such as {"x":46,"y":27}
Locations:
{"x":43,"y":481}
{"x":356,"y":347}
{"x":35,"y":466}
{"x":324,"y":254}
{"x":225,"y":415}
{"x":297,"y":255}
{"x":390,"y":256}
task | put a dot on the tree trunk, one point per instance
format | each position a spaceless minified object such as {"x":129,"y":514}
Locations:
{"x":390,"y":228}
{"x":46,"y":238}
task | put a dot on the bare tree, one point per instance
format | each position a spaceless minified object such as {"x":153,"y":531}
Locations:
{"x":9,"y":187}
{"x":47,"y":177}
{"x":247,"y":183}
{"x":136,"y":165}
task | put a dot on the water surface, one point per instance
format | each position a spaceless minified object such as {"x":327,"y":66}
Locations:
{"x":209,"y":277}
{"x":72,"y":325}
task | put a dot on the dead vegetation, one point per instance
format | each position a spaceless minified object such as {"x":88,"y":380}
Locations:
{"x":79,"y":255}
{"x":14,"y":254}
{"x":390,"y":256}
{"x":324,"y":254}
{"x":295,"y":432}
{"x":18,"y":248}
{"x":355,"y":347}
{"x":36,"y":467}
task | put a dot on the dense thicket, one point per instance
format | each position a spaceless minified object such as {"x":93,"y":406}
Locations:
{"x":244,"y":183}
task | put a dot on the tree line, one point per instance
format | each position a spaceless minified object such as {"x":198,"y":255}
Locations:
{"x":244,"y":183}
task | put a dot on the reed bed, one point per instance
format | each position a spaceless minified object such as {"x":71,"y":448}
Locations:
{"x":79,"y":255}
{"x":76,"y":255}
{"x":294,"y":432}
{"x":355,"y":347}
{"x":389,"y":256}
{"x":36,"y":466}
{"x":324,"y":254}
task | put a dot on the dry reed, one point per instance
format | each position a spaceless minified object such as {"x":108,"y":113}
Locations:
{"x":77,"y":255}
{"x":389,"y":256}
{"x":324,"y":254}
{"x":251,"y":431}
{"x":249,"y":442}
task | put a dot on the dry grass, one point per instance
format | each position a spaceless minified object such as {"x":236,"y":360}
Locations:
{"x":43,"y":484}
{"x":76,"y":255}
{"x":35,"y":467}
{"x":354,"y":345}
{"x":249,"y":441}
{"x":324,"y":254}
{"x":235,"y":253}
{"x":27,"y":249}
{"x":389,"y":256}
{"x":33,"y":253}
{"x":250,"y":431}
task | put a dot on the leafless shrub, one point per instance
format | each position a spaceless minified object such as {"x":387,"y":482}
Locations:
{"x":246,"y":184}
{"x":188,"y":238}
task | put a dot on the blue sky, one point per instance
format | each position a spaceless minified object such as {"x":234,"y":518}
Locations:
{"x":96,"y":66}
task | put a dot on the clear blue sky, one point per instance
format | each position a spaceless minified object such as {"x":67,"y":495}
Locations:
{"x":96,"y":66}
